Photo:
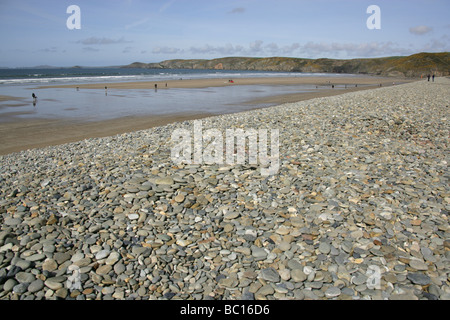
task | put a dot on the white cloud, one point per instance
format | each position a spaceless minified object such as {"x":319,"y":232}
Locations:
{"x":166,"y":50}
{"x":420,"y":30}
{"x":102,"y":41}
{"x":333,"y":50}
{"x":438,"y":45}
{"x":345,"y":50}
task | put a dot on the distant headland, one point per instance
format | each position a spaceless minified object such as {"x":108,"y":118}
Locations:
{"x":416,"y":65}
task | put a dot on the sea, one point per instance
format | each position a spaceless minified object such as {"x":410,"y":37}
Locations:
{"x":95,"y":105}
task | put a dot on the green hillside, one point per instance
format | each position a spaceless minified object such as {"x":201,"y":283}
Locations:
{"x":410,"y":66}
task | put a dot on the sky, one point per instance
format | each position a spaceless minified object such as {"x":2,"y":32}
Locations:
{"x":119,"y":32}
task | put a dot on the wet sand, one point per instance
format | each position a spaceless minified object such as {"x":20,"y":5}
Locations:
{"x":22,"y":134}
{"x":204,"y":83}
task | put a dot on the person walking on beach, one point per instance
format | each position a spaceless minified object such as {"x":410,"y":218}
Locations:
{"x":34,"y":99}
{"x":433,"y":77}
{"x":428,"y":76}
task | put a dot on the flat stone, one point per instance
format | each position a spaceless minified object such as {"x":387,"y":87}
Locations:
{"x":49,"y":265}
{"x":112,"y":258}
{"x":20,"y":288}
{"x":61,"y":257}
{"x":258,"y":253}
{"x":231,"y":215}
{"x":298,"y":275}
{"x":9,"y":285}
{"x":419,"y":278}
{"x":104,"y":269}
{"x":332,"y":292}
{"x":264,"y":291}
{"x":179,"y":198}
{"x":324,"y":248}
{"x":183,"y":242}
{"x":359,"y":279}
{"x":36,"y":257}
{"x":12,"y":221}
{"x":25,"y":277}
{"x":418,"y":265}
{"x":119,"y":268}
{"x":36,"y":286}
{"x":133,"y":216}
{"x":164,"y":181}
{"x":52,"y":284}
{"x":102,"y":254}
{"x":270,"y":274}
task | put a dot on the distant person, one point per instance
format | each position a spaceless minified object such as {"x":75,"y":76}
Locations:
{"x":433,"y":77}
{"x":34,"y":99}
{"x":428,"y":76}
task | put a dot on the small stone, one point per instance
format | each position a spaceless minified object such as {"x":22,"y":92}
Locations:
{"x":179,"y":198}
{"x":102,"y":254}
{"x":112,"y":258}
{"x":61,"y":257}
{"x":324,"y":248}
{"x":419,"y":278}
{"x":359,"y":279}
{"x":119,"y":268}
{"x":228,"y":227}
{"x":12,"y":221}
{"x":164,"y":181}
{"x":298,"y":275}
{"x":228,"y":282}
{"x":258,"y":253}
{"x":332,"y":292}
{"x":183,"y":242}
{"x":104,"y":269}
{"x":25,"y":277}
{"x":20,"y":288}
{"x":133,"y":216}
{"x":36,"y":285}
{"x":36,"y":257}
{"x":49,"y":265}
{"x":61,"y":293}
{"x":264,"y":291}
{"x":231,"y":215}
{"x":418,"y":265}
{"x":52,"y":284}
{"x":9,"y":285}
{"x":270,"y":274}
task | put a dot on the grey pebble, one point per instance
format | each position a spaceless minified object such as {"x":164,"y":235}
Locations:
{"x":419,"y":278}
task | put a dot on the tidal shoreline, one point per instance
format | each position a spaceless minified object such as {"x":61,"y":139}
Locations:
{"x":21,"y":134}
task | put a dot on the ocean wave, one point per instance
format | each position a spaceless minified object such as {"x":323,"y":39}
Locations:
{"x":115,"y":76}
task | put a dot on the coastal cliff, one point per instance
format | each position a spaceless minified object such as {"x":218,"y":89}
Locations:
{"x":410,"y":66}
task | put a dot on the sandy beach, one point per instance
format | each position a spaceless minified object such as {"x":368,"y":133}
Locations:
{"x":204,"y":83}
{"x":22,"y":134}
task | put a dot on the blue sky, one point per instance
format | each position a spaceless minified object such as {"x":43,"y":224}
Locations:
{"x":118,"y":32}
